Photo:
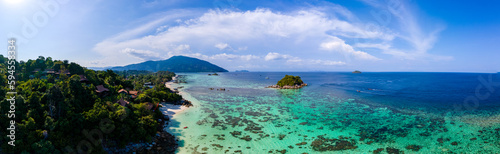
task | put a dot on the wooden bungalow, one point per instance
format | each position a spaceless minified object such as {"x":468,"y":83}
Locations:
{"x":122,"y":102}
{"x":133,"y":94}
{"x":102,"y":91}
{"x":63,"y":72}
{"x":36,"y":70}
{"x":49,"y":71}
{"x":84,"y":79}
{"x":123,"y":91}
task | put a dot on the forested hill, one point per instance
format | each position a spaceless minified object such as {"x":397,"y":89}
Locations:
{"x":58,"y":101}
{"x":174,"y":64}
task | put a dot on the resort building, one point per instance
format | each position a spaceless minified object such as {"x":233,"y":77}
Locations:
{"x":101,"y":90}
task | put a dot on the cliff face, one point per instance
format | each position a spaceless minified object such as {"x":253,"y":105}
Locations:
{"x":174,"y":64}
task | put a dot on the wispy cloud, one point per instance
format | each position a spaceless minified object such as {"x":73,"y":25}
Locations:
{"x":142,"y":54}
{"x":409,"y":29}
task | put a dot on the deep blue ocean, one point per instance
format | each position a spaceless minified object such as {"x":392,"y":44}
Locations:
{"x":427,"y":91}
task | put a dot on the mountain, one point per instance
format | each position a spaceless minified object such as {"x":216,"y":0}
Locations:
{"x":174,"y":64}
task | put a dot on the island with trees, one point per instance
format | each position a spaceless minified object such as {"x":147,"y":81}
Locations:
{"x":289,"y":82}
{"x":62,"y":107}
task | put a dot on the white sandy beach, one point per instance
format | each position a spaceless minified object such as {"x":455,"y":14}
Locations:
{"x":170,"y":109}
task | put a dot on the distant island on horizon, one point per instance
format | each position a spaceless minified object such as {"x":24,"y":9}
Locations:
{"x":174,"y":64}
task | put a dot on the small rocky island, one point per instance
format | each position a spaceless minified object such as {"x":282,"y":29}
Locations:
{"x":289,"y":82}
{"x":356,"y":71}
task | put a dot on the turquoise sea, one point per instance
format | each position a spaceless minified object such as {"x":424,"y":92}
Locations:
{"x":391,"y":113}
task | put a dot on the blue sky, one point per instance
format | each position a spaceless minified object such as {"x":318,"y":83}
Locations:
{"x":339,"y":35}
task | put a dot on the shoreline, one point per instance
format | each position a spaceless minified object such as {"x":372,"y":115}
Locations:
{"x":171,"y":110}
{"x":287,"y":87}
{"x":164,"y":141}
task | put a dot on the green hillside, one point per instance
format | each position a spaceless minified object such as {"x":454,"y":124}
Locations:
{"x":174,"y":64}
{"x":57,"y":101}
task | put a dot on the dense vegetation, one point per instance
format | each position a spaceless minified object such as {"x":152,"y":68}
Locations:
{"x":174,"y":64}
{"x":290,"y":80}
{"x":56,"y":112}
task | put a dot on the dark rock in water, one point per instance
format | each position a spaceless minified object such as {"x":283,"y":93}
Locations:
{"x":218,"y":145}
{"x":325,"y":144}
{"x":303,"y":123}
{"x":393,"y":151}
{"x":425,"y":134}
{"x":164,"y":143}
{"x":301,"y":143}
{"x":291,"y":147}
{"x":454,"y":143}
{"x":282,"y":136}
{"x":213,"y":115}
{"x":282,"y":151}
{"x":414,"y":147}
{"x":247,"y":138}
{"x":204,"y":148}
{"x":378,"y":150}
{"x":472,"y":139}
{"x":250,"y":113}
{"x":236,"y":151}
{"x":441,"y":140}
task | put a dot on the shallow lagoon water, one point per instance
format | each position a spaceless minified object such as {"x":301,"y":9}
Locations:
{"x":405,"y":112}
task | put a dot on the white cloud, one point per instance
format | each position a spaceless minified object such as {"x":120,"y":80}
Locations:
{"x":230,"y":57}
{"x":381,"y":46}
{"x":305,"y":34}
{"x":242,"y":48}
{"x":339,"y":45}
{"x":241,"y":29}
{"x":299,"y":61}
{"x":141,"y":54}
{"x":327,"y":62}
{"x":161,"y":28}
{"x":222,"y":46}
{"x":276,"y":56}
